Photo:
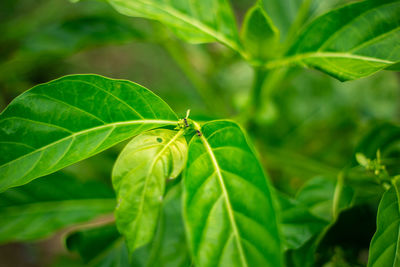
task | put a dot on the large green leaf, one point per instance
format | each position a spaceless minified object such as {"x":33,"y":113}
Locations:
{"x":168,"y":248}
{"x":64,"y":121}
{"x":193,"y":21}
{"x":38,"y":209}
{"x":139,"y":176}
{"x":384,"y":248}
{"x":351,"y":42}
{"x":228,"y":210}
{"x":259,"y":34}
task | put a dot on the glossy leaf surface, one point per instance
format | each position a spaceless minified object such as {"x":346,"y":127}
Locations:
{"x":228,"y":210}
{"x":69,"y":119}
{"x":193,"y":21}
{"x":384,"y":248}
{"x":354,"y":41}
{"x":139,"y":176}
{"x":259,"y":35}
{"x":38,"y":209}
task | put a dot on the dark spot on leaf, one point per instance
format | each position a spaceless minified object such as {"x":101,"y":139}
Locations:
{"x":159,"y":139}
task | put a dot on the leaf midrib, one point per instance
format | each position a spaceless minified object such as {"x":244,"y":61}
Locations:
{"x":153,"y":163}
{"x":293,"y":59}
{"x":161,"y":122}
{"x":197,"y":24}
{"x":348,"y":24}
{"x":226,"y":196}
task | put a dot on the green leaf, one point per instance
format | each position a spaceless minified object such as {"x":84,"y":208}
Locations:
{"x":69,"y":119}
{"x":39,"y":209}
{"x":384,"y":248}
{"x":92,"y":242}
{"x":259,"y":35}
{"x":104,"y":246}
{"x":298,"y":224}
{"x":168,"y":248}
{"x":318,"y":195}
{"x":139,"y":176}
{"x":193,"y":21}
{"x":324,"y":199}
{"x":101,"y":246}
{"x":228,"y":207}
{"x":79,"y":33}
{"x":282,"y":12}
{"x":351,"y":42}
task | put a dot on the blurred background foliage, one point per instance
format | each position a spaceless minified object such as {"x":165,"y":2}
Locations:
{"x":310,"y":125}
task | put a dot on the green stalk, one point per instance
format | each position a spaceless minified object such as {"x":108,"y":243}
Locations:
{"x":337,"y":195}
{"x":211,"y":100}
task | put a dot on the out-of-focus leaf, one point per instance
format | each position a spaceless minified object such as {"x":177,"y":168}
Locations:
{"x":168,"y":248}
{"x":354,"y":41}
{"x":92,"y":242}
{"x":298,"y":224}
{"x":318,"y":194}
{"x":259,"y":35}
{"x":38,"y":209}
{"x":228,"y":210}
{"x":384,"y":248}
{"x":79,"y":33}
{"x":104,"y":246}
{"x":139,"y":176}
{"x":385,"y":137}
{"x":193,"y":21}
{"x":282,"y":12}
{"x":69,"y":119}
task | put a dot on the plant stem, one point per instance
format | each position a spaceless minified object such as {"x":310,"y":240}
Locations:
{"x":337,"y":195}
{"x":211,"y":100}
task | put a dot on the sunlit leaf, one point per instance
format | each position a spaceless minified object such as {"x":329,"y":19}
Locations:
{"x":228,"y":210}
{"x":259,"y":35}
{"x":354,"y":41}
{"x":139,"y":176}
{"x":193,"y":21}
{"x":384,"y":248}
{"x":64,"y":121}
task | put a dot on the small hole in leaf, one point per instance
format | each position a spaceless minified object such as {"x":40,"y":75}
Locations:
{"x":159,"y":139}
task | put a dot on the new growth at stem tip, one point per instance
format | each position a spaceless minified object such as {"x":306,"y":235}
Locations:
{"x":189,"y":124}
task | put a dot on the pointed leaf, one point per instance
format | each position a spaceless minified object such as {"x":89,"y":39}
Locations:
{"x":228,"y":207}
{"x":384,"y":248}
{"x":38,"y":209}
{"x":193,"y":21}
{"x":259,"y":34}
{"x":139,"y":176}
{"x":67,"y":120}
{"x":351,"y":42}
